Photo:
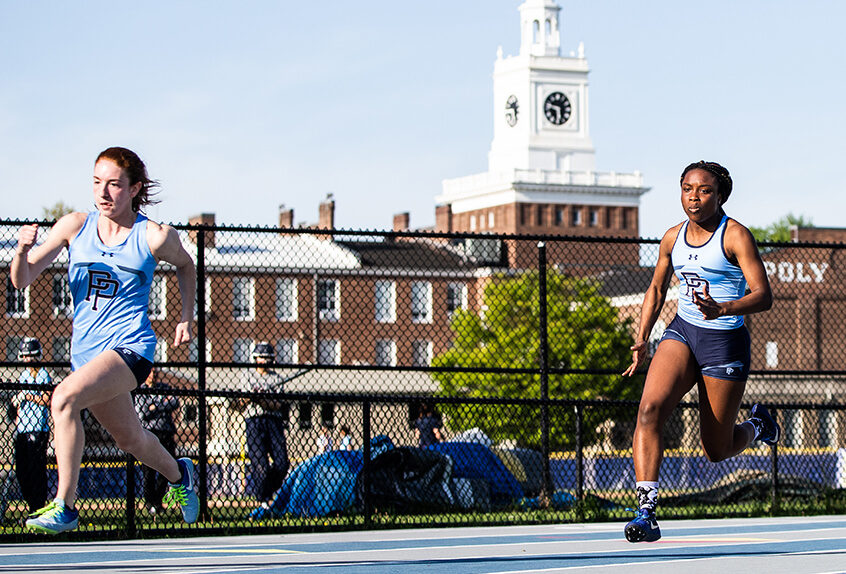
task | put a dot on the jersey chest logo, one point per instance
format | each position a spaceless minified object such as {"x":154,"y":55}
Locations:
{"x":695,"y":283}
{"x":101,"y":285}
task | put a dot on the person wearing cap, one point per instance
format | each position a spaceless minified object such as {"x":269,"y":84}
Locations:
{"x":32,"y":426}
{"x":265,"y":419}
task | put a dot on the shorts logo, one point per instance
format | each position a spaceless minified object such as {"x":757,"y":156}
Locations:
{"x":729,"y":371}
{"x":101,"y":285}
{"x":694,"y":283}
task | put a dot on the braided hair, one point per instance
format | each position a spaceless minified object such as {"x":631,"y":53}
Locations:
{"x":724,"y":183}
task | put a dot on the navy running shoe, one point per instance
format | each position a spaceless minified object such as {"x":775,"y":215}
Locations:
{"x":644,"y":527}
{"x":768,"y":430}
{"x":53,"y":518}
{"x":183,"y":493}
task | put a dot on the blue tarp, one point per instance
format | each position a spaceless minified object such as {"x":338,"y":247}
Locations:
{"x":321,"y":485}
{"x":476,"y":461}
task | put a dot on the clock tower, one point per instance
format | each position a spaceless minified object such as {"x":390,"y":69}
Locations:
{"x":541,"y":174}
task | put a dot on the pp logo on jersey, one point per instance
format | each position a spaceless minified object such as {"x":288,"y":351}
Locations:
{"x":101,"y":285}
{"x":694,"y":283}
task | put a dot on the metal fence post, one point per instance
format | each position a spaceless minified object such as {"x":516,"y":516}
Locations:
{"x":580,"y":468}
{"x":544,"y":367}
{"x":365,"y":469}
{"x":201,"y":374}
{"x":774,"y":461}
{"x":130,"y":496}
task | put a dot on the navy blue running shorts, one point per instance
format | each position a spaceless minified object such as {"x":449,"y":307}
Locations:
{"x":139,"y":366}
{"x":719,"y":353}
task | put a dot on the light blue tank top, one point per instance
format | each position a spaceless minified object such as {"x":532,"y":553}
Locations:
{"x":708,"y":265}
{"x":110,"y":287}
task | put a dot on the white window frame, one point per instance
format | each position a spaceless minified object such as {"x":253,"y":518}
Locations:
{"x":427,"y":354}
{"x":157,"y":303}
{"x":247,"y":288}
{"x":461,"y":288}
{"x":472,"y":223}
{"x":194,"y":350}
{"x":385,"y":353}
{"x":332,"y":313}
{"x":421,"y":309}
{"x":287,"y":345}
{"x":323,"y":349}
{"x":385,"y":301}
{"x":13,"y":293}
{"x":593,"y":217}
{"x":241,"y":350}
{"x":160,"y":356}
{"x":287,"y":289}
{"x":63,"y":301}
{"x":576,"y":216}
{"x":490,"y":220}
{"x":771,"y":354}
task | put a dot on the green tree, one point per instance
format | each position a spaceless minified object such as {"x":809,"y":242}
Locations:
{"x":57,"y":210}
{"x":779,"y":231}
{"x":584,"y":332}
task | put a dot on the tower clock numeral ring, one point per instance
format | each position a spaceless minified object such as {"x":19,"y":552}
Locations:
{"x":557,"y":108}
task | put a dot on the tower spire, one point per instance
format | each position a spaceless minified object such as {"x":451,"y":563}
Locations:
{"x":539,"y":31}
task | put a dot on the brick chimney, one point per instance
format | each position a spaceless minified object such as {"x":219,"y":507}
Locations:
{"x":202,"y":219}
{"x":443,"y":218}
{"x":286,"y":217}
{"x":326,"y":214}
{"x":402,"y":221}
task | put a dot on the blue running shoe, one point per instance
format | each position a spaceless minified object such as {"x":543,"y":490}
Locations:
{"x":183,"y":493}
{"x":53,"y":518}
{"x":768,"y":430}
{"x":644,"y":527}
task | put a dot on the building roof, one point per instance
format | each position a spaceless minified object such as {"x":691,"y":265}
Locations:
{"x":414,"y":254}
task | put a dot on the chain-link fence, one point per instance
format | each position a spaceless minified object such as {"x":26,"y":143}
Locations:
{"x":420,"y":378}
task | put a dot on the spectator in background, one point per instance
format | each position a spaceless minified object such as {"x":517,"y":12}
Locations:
{"x":428,"y":425}
{"x":346,"y":439}
{"x":32,"y":425}
{"x":156,"y":414}
{"x":324,"y":440}
{"x":265,"y":418}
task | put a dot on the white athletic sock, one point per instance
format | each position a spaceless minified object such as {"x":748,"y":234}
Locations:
{"x":647,"y":494}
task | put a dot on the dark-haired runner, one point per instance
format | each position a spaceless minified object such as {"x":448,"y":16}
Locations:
{"x":112,"y":254}
{"x":706,"y":344}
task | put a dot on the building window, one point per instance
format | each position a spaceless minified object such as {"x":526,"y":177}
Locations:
{"x":539,"y":215}
{"x":160,"y":355}
{"x":329,"y":299}
{"x":243,"y":298}
{"x":456,"y":297}
{"x":472,"y":223}
{"x":304,"y":418}
{"x":771,"y":354}
{"x":421,"y":353}
{"x":13,"y":344}
{"x":327,"y":415}
{"x":386,"y":353}
{"x":559,"y":215}
{"x":17,"y":301}
{"x":576,"y":216}
{"x":594,"y":217}
{"x":490,"y":220}
{"x":328,"y":352}
{"x":156,"y":308}
{"x":61,"y":348}
{"x":421,"y":302}
{"x":287,"y":351}
{"x":193,"y":350}
{"x":286,"y":299}
{"x":62,"y":302}
{"x":624,"y":218}
{"x":241,"y":350}
{"x":385,"y":295}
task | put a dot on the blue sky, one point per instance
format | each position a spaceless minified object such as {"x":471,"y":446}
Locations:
{"x":238,"y":107}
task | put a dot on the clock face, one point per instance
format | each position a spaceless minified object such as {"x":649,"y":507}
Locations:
{"x":557,"y":108}
{"x":511,"y":108}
